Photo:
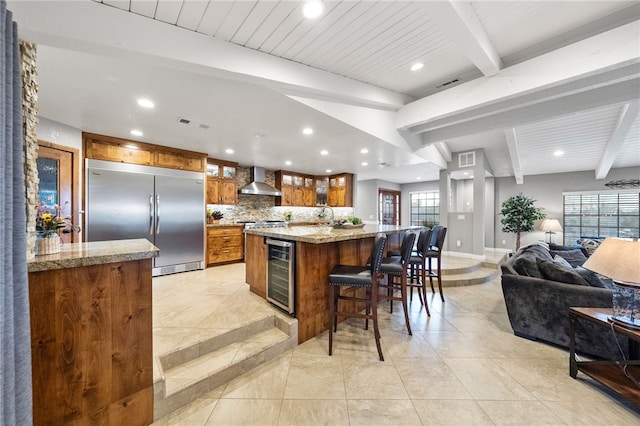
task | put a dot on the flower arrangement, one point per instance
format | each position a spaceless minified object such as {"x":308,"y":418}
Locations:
{"x":49,"y":219}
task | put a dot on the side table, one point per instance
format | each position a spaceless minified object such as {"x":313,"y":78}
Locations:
{"x":609,"y":373}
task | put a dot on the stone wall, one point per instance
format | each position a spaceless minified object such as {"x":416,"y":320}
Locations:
{"x":29,"y":72}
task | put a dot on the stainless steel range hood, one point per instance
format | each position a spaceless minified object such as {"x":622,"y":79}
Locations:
{"x":258,"y":186}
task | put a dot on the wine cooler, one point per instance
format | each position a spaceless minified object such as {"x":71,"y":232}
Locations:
{"x":281,"y":274}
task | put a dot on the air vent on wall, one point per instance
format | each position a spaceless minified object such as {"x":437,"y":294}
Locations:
{"x":467,"y":159}
{"x":455,"y":80}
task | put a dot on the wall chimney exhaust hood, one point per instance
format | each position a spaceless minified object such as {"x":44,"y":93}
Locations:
{"x":258,"y":186}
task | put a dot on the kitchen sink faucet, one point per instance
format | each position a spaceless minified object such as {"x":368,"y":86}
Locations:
{"x":332,"y":214}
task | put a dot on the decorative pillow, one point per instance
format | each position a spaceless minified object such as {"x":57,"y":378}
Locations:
{"x":574,"y":257}
{"x":554,"y":272}
{"x":527,"y":266}
{"x":590,"y":277}
{"x":557,"y":247}
{"x":561,"y":261}
{"x":589,"y":245}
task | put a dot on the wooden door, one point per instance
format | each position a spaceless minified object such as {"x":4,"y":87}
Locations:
{"x":58,"y":174}
{"x":389,"y":207}
{"x":229,"y":192}
{"x":213,"y":190}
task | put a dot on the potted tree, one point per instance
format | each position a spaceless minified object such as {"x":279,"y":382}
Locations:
{"x":519,"y":215}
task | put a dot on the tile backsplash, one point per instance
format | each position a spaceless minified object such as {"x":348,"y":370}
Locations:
{"x":260,"y":207}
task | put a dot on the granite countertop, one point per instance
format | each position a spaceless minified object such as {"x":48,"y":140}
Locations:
{"x":217,"y":225}
{"x":320,"y":234}
{"x":94,"y":253}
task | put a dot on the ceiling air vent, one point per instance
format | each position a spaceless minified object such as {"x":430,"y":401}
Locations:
{"x":184,"y":121}
{"x":448,"y":83}
{"x":467,"y":159}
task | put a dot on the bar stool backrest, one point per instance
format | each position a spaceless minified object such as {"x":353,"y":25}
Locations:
{"x":442,"y":233}
{"x":408,"y":239}
{"x":423,"y":240}
{"x":435,"y":232}
{"x":377,"y":253}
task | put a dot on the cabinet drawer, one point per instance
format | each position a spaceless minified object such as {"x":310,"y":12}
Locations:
{"x":224,"y":241}
{"x":224,"y":254}
{"x":222,"y":231}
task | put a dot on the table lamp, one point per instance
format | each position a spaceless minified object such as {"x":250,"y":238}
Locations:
{"x":550,"y":226}
{"x":620,"y":260}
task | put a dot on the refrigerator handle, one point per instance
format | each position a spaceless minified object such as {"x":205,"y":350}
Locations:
{"x":157,"y":214}
{"x":151,"y":214}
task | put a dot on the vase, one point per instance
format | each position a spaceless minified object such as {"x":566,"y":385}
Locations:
{"x":48,"y":244}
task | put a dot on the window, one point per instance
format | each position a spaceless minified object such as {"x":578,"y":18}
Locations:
{"x":425,"y":208}
{"x":601,"y":215}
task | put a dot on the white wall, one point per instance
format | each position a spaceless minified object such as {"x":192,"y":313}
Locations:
{"x":366,"y":206}
{"x":61,"y":134}
{"x":547,"y":190}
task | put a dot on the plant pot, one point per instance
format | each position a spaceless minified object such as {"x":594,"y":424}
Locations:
{"x":48,"y":245}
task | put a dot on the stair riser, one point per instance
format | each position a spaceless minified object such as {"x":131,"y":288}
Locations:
{"x":182,"y":356}
{"x":170,"y":403}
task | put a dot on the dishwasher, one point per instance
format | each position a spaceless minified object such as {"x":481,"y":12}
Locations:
{"x":281,"y":274}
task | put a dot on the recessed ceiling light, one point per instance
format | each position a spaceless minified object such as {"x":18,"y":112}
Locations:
{"x":228,"y":151}
{"x":307,"y":130}
{"x":558,"y":153}
{"x":365,"y":163}
{"x":324,"y":152}
{"x":419,"y":178}
{"x":136,"y":132}
{"x":146,"y":103}
{"x":328,"y":170}
{"x":288,"y":163}
{"x":417,"y":66}
{"x":466,"y":173}
{"x":312,"y":9}
{"x":364,"y":151}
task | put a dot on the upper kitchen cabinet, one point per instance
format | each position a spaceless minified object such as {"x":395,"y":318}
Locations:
{"x":222,"y":182}
{"x":340,"y":191}
{"x":297,"y":189}
{"x":100,"y":147}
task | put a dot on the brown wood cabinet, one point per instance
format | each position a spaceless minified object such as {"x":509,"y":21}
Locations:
{"x":298,"y":190}
{"x":91,"y":343}
{"x":224,"y":244}
{"x":340,"y":191}
{"x":222,"y":182}
{"x":100,"y":147}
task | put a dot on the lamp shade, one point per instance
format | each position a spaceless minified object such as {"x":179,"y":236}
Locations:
{"x":617,"y":259}
{"x":550,"y":225}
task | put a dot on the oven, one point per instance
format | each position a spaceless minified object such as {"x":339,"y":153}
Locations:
{"x":281,"y":274}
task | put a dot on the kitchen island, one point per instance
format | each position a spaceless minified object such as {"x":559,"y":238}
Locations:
{"x":317,"y":250}
{"x":91,"y":334}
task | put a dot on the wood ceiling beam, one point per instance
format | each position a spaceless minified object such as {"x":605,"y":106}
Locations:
{"x":558,"y":82}
{"x":93,"y":28}
{"x":628,"y":115}
{"x":460,"y":22}
{"x":514,"y":154}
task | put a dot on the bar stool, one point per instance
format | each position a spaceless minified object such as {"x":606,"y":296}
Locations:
{"x":394,"y":267}
{"x":438,"y":234}
{"x":367,"y":277}
{"x":418,"y":268}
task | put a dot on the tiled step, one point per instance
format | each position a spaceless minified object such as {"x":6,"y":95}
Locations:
{"x":479,"y":276}
{"x":189,"y":373}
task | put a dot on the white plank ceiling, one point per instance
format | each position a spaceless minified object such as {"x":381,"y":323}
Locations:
{"x":372,"y":42}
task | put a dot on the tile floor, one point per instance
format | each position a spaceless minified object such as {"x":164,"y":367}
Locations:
{"x":462,"y":366}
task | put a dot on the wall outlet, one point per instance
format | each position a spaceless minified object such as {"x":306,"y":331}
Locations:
{"x":458,"y":243}
{"x":504,"y":242}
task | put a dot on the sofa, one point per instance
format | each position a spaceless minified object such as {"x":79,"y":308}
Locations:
{"x":541,"y":283}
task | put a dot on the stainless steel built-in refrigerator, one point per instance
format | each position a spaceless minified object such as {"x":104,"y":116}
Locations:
{"x":165,"y":206}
